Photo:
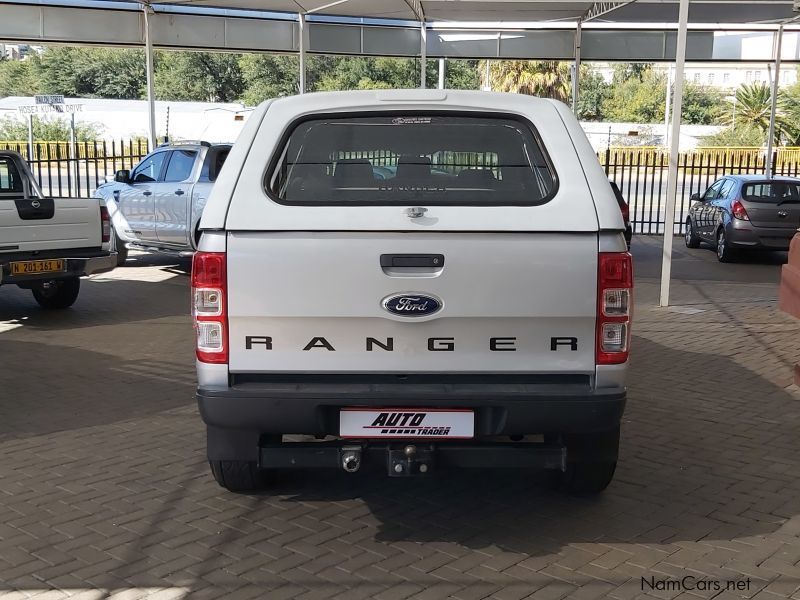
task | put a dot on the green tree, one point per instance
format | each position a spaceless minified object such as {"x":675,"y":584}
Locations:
{"x":461,"y":74}
{"x":19,"y":77}
{"x":268,"y":76}
{"x":199,"y":76}
{"x":751,"y":107}
{"x":92,"y":72}
{"x":543,"y":78}
{"x":701,"y":105}
{"x":742,"y":135}
{"x":639,"y":98}
{"x":47,"y":129}
{"x":593,"y":91}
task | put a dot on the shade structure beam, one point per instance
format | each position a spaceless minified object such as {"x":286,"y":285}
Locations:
{"x":674,"y":149}
{"x":599,"y":9}
{"x":147,"y":10}
{"x":301,"y":47}
{"x":768,"y":166}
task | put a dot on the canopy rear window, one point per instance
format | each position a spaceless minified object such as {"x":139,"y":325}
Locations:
{"x":772,"y":192}
{"x":412,"y":159}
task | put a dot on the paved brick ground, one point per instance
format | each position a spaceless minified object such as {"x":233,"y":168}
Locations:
{"x":104,"y":491}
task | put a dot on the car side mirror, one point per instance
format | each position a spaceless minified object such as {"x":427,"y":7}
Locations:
{"x":122,"y":176}
{"x":694,"y":197}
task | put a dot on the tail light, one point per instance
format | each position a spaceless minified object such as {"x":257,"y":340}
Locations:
{"x":738,"y":210}
{"x":209,"y":306}
{"x":105,"y":225}
{"x":614,"y":307}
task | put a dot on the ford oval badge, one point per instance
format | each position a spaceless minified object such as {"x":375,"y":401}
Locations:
{"x":412,"y":304}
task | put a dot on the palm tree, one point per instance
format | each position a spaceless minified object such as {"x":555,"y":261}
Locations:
{"x":751,"y":107}
{"x":543,"y":78}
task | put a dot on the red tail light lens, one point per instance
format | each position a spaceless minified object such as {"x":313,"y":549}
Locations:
{"x":105,"y":225}
{"x":738,"y":210}
{"x":209,"y":306}
{"x":614,"y":307}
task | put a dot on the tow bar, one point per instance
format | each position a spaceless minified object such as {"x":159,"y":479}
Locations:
{"x":408,"y":459}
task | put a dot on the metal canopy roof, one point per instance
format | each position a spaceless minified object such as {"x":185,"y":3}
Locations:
{"x":519,"y":11}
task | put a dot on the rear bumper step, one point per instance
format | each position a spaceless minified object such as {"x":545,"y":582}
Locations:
{"x":510,"y":409}
{"x":410,"y":457}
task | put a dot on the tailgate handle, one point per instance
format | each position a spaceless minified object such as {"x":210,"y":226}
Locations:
{"x":435,"y":261}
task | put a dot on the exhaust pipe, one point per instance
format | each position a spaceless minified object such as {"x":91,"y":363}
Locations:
{"x":351,"y":459}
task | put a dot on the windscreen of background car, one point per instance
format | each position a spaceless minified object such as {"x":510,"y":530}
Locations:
{"x":772,"y":192}
{"x":374,"y":160}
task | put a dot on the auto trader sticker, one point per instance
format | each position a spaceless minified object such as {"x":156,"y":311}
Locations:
{"x":406,"y":423}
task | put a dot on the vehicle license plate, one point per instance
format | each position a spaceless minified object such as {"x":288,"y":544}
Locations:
{"x":406,"y":423}
{"x":33,"y":267}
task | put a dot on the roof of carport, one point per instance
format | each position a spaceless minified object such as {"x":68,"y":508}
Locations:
{"x":519,"y":11}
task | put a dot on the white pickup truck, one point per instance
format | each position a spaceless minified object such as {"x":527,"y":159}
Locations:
{"x":157,"y":206}
{"x":428,"y":278}
{"x":47,"y":244}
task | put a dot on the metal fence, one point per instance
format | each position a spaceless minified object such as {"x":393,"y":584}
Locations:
{"x":64,"y":171}
{"x":640,"y":172}
{"x":641,"y":175}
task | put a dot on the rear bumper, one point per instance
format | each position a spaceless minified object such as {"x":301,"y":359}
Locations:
{"x":500,"y":409}
{"x":744,"y":234}
{"x":75,"y":266}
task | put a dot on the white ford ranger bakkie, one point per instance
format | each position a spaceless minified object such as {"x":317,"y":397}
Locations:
{"x":47,"y":244}
{"x":420,"y":278}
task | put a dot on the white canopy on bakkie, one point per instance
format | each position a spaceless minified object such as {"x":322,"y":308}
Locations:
{"x":358,"y":161}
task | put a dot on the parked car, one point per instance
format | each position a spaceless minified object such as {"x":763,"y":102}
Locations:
{"x":157,"y":205}
{"x":48,"y":244}
{"x":425,"y":319}
{"x":626,"y":213}
{"x":745,"y":212}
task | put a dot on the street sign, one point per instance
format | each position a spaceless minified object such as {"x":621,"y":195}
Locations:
{"x":37,"y":109}
{"x":50,"y":99}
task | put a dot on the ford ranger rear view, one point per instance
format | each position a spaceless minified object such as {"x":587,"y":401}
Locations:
{"x":421,"y":279}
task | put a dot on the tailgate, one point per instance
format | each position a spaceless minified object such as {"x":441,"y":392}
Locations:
{"x":314,"y":302}
{"x":60,"y":223}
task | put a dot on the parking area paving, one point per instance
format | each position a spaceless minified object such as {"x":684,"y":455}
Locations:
{"x":104,"y":490}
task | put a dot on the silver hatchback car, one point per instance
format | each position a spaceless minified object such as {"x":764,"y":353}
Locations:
{"x":745,"y":212}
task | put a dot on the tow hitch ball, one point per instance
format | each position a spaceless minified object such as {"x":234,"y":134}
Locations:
{"x":409,"y":460}
{"x":402,"y":460}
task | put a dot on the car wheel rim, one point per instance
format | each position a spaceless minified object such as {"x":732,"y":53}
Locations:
{"x":721,"y":244}
{"x":688,"y":232}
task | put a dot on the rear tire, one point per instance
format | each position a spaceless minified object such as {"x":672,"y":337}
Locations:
{"x":591,"y":462}
{"x":238,"y":476}
{"x":122,"y":250}
{"x":690,"y":237}
{"x":62,"y":293}
{"x":725,"y":253}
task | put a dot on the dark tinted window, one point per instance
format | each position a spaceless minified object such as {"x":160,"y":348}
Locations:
{"x":149,"y":169}
{"x":180,"y":165}
{"x":213,"y":163}
{"x":774,"y":191}
{"x":405,"y":160}
{"x":10,"y":180}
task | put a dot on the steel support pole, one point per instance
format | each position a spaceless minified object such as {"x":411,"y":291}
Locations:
{"x":423,"y":53}
{"x":442,"y":71}
{"x":674,"y":147}
{"x":30,"y":137}
{"x":151,"y":97}
{"x":576,"y":76}
{"x":666,"y":105}
{"x":768,"y":166}
{"x":301,"y":43}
